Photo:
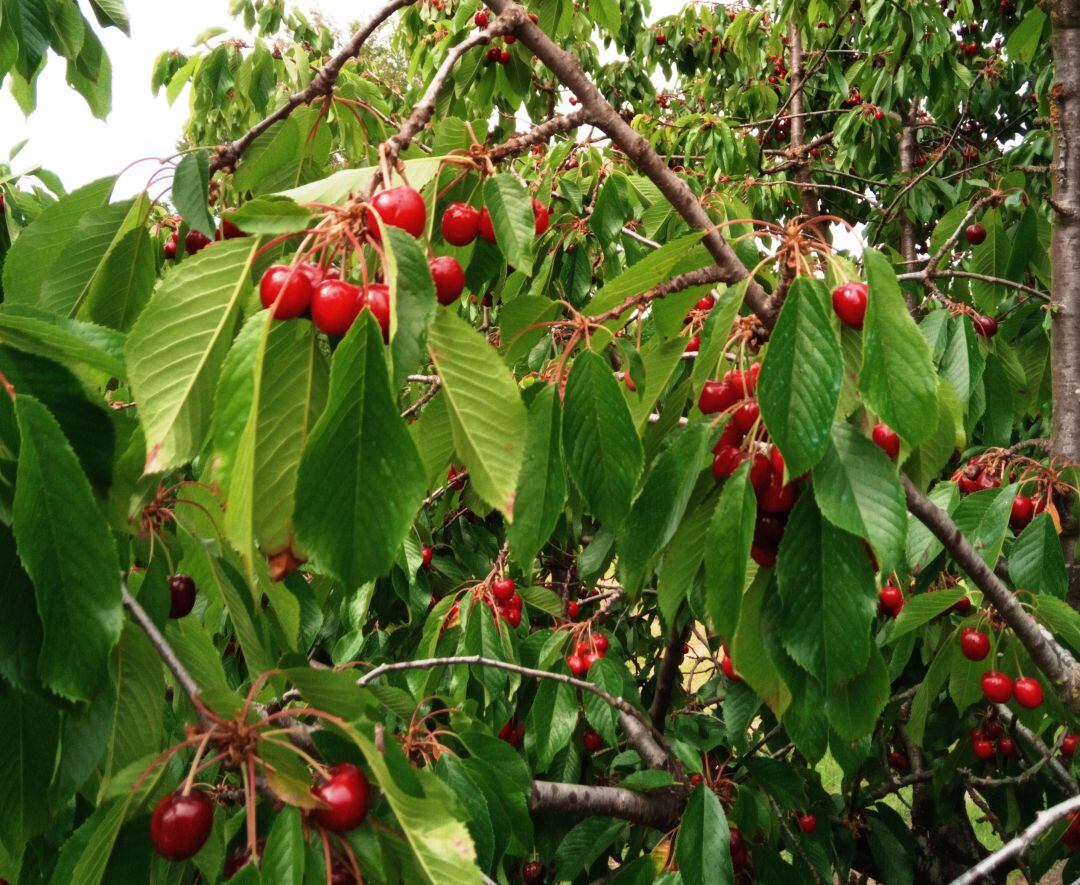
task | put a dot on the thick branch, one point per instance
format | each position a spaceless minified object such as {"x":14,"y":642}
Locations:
{"x":604,"y":116}
{"x":1055,"y":663}
{"x":657,"y":808}
{"x":669,"y":673}
{"x":538,"y":134}
{"x":797,"y":121}
{"x":321,"y":85}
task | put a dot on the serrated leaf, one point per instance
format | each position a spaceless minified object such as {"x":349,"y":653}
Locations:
{"x":177,"y":346}
{"x":271,"y":214}
{"x":29,"y":741}
{"x":190,"y":188}
{"x":61,"y":339}
{"x":651,"y":270}
{"x":858,"y":491}
{"x":922,"y":608}
{"x":67,"y":550}
{"x":897,"y":378}
{"x":510,"y":207}
{"x":552,"y":719}
{"x":799,"y":388}
{"x":283,"y":857}
{"x":1023,"y":42}
{"x":487,"y":415}
{"x":702,"y":847}
{"x":122,"y":284}
{"x":727,"y":552}
{"x":412,"y":301}
{"x":603,"y":452}
{"x":361,"y":478}
{"x":854,"y":707}
{"x":1036,"y":562}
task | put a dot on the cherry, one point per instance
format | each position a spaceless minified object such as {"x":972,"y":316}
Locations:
{"x":600,"y":644}
{"x":997,"y":686}
{"x":898,"y":761}
{"x":399,"y":207}
{"x":481,"y":19}
{"x":532,"y":872}
{"x":778,"y":497}
{"x":181,"y":824}
{"x":890,"y":600}
{"x":974,"y":644}
{"x":504,"y":57}
{"x":460,"y":224}
{"x":962,"y":606}
{"x":742,"y":383}
{"x":986,"y":326}
{"x":340,"y":873}
{"x":991,"y":729}
{"x":768,"y":531}
{"x":1006,"y":748}
{"x":509,"y":39}
{"x":487,"y":229}
{"x":1069,"y":742}
{"x":426,"y":555}
{"x":849,"y":301}
{"x":887,"y":439}
{"x":1023,"y":510}
{"x":449,"y":279}
{"x":740,"y":860}
{"x":1028,"y":692}
{"x":572,"y":609}
{"x":975,"y":234}
{"x":335,"y":305}
{"x":591,"y":740}
{"x":376,"y":298}
{"x":228,"y":231}
{"x":541,"y":217}
{"x":181,"y":595}
{"x":514,"y":603}
{"x":512,"y":616}
{"x":285,"y":291}
{"x":982,"y":748}
{"x":746,"y":415}
{"x":493,"y":54}
{"x":503,"y":589}
{"x":241,"y":857}
{"x":452,"y":481}
{"x":582,"y":649}
{"x":726,"y":459}
{"x":171,"y":245}
{"x":716,"y":396}
{"x":763,"y":557}
{"x":576,"y":665}
{"x":807,"y":822}
{"x":346,"y":796}
{"x":693,"y":345}
{"x":695,"y":779}
{"x":510,"y":732}
{"x":729,"y":668}
{"x":195,"y":241}
{"x":1071,"y":836}
{"x":705,"y":303}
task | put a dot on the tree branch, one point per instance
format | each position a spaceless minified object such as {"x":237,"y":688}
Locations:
{"x":322,"y":84}
{"x":1055,"y":663}
{"x":160,"y":643}
{"x":538,"y":134}
{"x":669,"y":672}
{"x":656,"y":808}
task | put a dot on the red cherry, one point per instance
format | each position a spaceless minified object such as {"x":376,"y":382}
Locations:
{"x":962,"y":605}
{"x":693,"y":345}
{"x":705,"y":303}
{"x":487,"y":229}
{"x":741,"y":383}
{"x":509,"y":39}
{"x":768,"y":531}
{"x":974,"y":644}
{"x":289,"y":287}
{"x":335,"y":305}
{"x":1006,"y":748}
{"x":752,"y":376}
{"x":504,"y":57}
{"x":376,"y":298}
{"x":975,"y":234}
{"x":898,"y":761}
{"x":449,"y":278}
{"x":426,"y":554}
{"x":541,"y":217}
{"x":481,"y":19}
{"x":740,"y":860}
{"x":346,"y":796}
{"x":229,"y":231}
{"x":764,"y":558}
{"x":508,"y":731}
{"x":807,"y":823}
{"x":493,"y":54}
{"x":777,"y":497}
{"x":1028,"y":692}
{"x":726,"y":459}
{"x":195,"y":241}
{"x":532,"y":872}
{"x":576,"y":665}
{"x":728,"y":667}
{"x":730,"y":436}
{"x":460,"y":224}
{"x":890,"y":600}
{"x":181,"y":595}
{"x":399,"y":207}
{"x":591,"y":740}
{"x":512,"y":616}
{"x":1023,"y":510}
{"x":982,"y":748}
{"x":1069,"y":742}
{"x":997,"y":686}
{"x":661,"y":38}
{"x":986,"y":326}
{"x":503,"y":589}
{"x":600,"y":644}
{"x":760,"y":473}
{"x":588,"y":659}
{"x":716,"y":396}
{"x":777,"y":461}
{"x":514,"y":603}
{"x":171,"y":244}
{"x":572,"y":609}
{"x":849,"y":302}
{"x":582,"y":649}
{"x":887,"y":439}
{"x":181,"y":825}
{"x":241,"y":857}
{"x":746,"y":415}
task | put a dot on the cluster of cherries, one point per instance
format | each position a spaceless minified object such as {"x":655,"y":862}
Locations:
{"x":849,"y":301}
{"x":988,"y":740}
{"x":997,"y":686}
{"x":196,"y":241}
{"x":506,"y":602}
{"x":976,"y":477}
{"x":462,"y":223}
{"x":734,"y":392}
{"x":586,"y":653}
{"x":182,"y":821}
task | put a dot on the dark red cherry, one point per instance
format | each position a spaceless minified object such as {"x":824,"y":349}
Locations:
{"x":725,"y":460}
{"x":898,"y":761}
{"x":487,"y":229}
{"x":974,"y":644}
{"x":849,"y":301}
{"x":460,"y":224}
{"x":975,"y":234}
{"x":285,"y":291}
{"x":572,"y":609}
{"x":986,"y":326}
{"x":335,"y":305}
{"x":449,"y":278}
{"x":377,"y":300}
{"x":346,"y":797}
{"x":746,"y":415}
{"x":763,"y":557}
{"x":181,"y":824}
{"x":982,"y":748}
{"x":807,"y":823}
{"x":503,"y":589}
{"x":890,"y":600}
{"x":576,"y":665}
{"x":195,"y":241}
{"x":716,"y":396}
{"x":401,"y":207}
{"x":171,"y":245}
{"x":886,"y":439}
{"x":591,"y":740}
{"x":532,"y":872}
{"x":181,"y":595}
{"x":1069,"y":743}
{"x":1023,"y":510}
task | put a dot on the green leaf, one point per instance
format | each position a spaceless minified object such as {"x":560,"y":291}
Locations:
{"x":992,"y":259}
{"x":854,"y":707}
{"x":659,"y":509}
{"x":122,"y":284}
{"x":29,"y":741}
{"x":927,"y":693}
{"x":827,"y":588}
{"x":603,"y":452}
{"x":983,"y":517}
{"x":272,"y":214}
{"x":20,"y":630}
{"x":361,"y":478}
{"x":923,"y":608}
{"x":412,"y":301}
{"x":111,"y":13}
{"x":273,"y":388}
{"x":799,"y":387}
{"x":541,"y":489}
{"x":608,"y":15}
{"x":283,"y":857}
{"x":857,"y":490}
{"x":67,"y":550}
{"x":1060,"y":617}
{"x":177,"y":346}
{"x":727,"y":552}
{"x":1036,"y":562}
{"x":963,"y":362}
{"x":682,"y":561}
{"x":1024,"y":41}
{"x":552,"y":720}
{"x":486,"y":412}
{"x":63,"y":340}
{"x":605,"y":674}
{"x":511,"y":211}
{"x":652,"y":270}
{"x":190,"y":188}
{"x":897,"y":377}
{"x":703,"y":848}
